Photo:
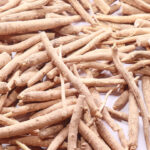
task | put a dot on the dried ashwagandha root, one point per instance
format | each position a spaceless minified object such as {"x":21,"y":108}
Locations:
{"x":25,"y":127}
{"x":121,"y":101}
{"x":12,"y":27}
{"x":133,"y":87}
{"x":109,"y":139}
{"x":74,"y":123}
{"x":50,"y":131}
{"x":130,"y":10}
{"x":77,"y":83}
{"x":133,"y":122}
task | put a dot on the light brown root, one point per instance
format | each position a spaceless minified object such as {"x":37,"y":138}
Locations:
{"x":50,"y":131}
{"x":133,"y":122}
{"x":59,"y":139}
{"x":134,"y":89}
{"x":121,"y":101}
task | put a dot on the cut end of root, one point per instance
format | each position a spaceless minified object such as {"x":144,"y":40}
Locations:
{"x":114,"y":48}
{"x":98,"y":114}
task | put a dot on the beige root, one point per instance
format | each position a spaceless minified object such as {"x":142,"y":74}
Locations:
{"x":108,"y":138}
{"x":45,"y":95}
{"x":111,"y":122}
{"x":3,"y":87}
{"x":9,"y":5}
{"x":145,"y":89}
{"x":141,"y":23}
{"x":69,"y":101}
{"x":4,"y":59}
{"x":70,"y":47}
{"x":40,"y":74}
{"x":59,"y":139}
{"x":109,"y":2}
{"x":63,"y":94}
{"x":106,"y":115}
{"x":134,"y":89}
{"x":51,"y":74}
{"x":2,"y":3}
{"x":24,"y":7}
{"x":147,"y":1}
{"x":42,"y":57}
{"x":122,"y":41}
{"x":36,"y":123}
{"x":85,"y":145}
{"x":96,"y":65}
{"x":138,"y":65}
{"x":85,"y":3}
{"x":74,"y":123}
{"x":20,"y":46}
{"x":30,"y":141}
{"x":12,"y":97}
{"x":65,"y":50}
{"x":130,"y":10}
{"x":50,"y":131}
{"x":143,"y":71}
{"x":101,"y":82}
{"x":122,"y":19}
{"x":121,"y":101}
{"x":105,"y":89}
{"x":42,"y":86}
{"x":92,"y":43}
{"x":54,"y":15}
{"x":69,"y":75}
{"x":134,"y":4}
{"x":25,"y":76}
{"x":132,"y":31}
{"x":58,"y":8}
{"x":123,"y":49}
{"x":133,"y":122}
{"x":142,"y":5}
{"x":91,"y":137}
{"x":35,"y":25}
{"x":133,"y":56}
{"x":2,"y":101}
{"x":19,"y":38}
{"x":34,"y":14}
{"x":11,"y":81}
{"x":89,"y":120}
{"x":34,"y":59}
{"x":92,"y":57}
{"x":114,"y":8}
{"x":66,"y":39}
{"x":118,"y":114}
{"x":143,"y":41}
{"x":103,"y":6}
{"x":70,"y":29}
{"x":31,"y":108}
{"x":7,"y":121}
{"x":11,"y":66}
{"x":78,"y":7}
